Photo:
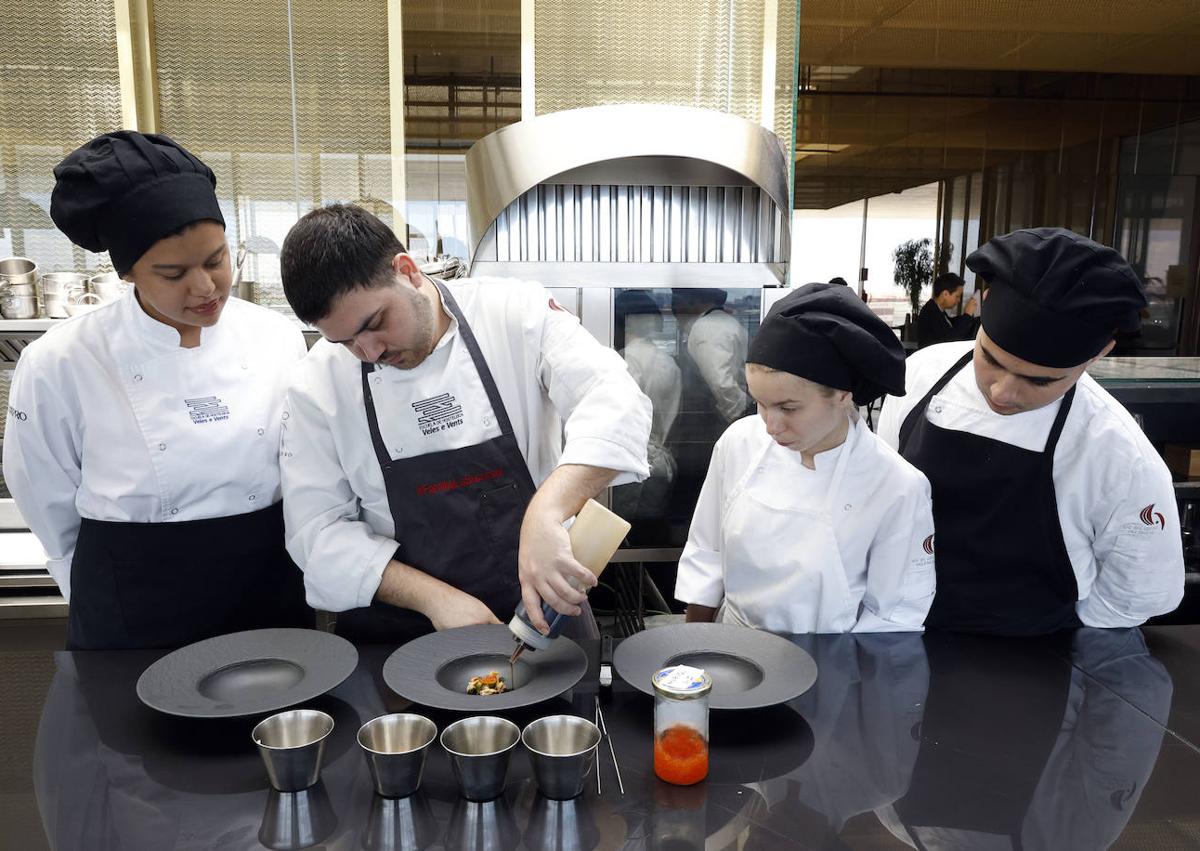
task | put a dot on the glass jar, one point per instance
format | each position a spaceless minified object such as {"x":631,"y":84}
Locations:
{"x":681,"y":724}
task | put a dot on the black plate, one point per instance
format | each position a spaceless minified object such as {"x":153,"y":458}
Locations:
{"x":750,"y":668}
{"x":433,"y":670}
{"x":247,"y":673}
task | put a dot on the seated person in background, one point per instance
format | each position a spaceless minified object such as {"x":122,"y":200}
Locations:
{"x":807,"y":522}
{"x":935,"y":324}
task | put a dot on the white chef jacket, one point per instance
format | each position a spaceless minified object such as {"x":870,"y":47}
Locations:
{"x":109,"y":418}
{"x":882,"y":518}
{"x":717,"y":342}
{"x":1106,"y":474}
{"x":555,"y":379}
{"x":658,"y":376}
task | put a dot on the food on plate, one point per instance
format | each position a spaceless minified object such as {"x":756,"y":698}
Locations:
{"x":492,"y":683}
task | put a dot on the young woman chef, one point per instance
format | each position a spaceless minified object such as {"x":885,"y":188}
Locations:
{"x":807,"y":522}
{"x":142,"y":438}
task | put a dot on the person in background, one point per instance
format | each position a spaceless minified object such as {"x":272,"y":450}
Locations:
{"x":1052,"y":508}
{"x":639,"y":322}
{"x":807,"y":522}
{"x":142,"y":438}
{"x":714,"y":349}
{"x":935,"y":324}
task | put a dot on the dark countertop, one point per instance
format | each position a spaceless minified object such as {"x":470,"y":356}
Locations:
{"x":1086,"y":740}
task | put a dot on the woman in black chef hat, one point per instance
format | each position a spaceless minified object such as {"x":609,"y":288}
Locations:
{"x":807,"y":522}
{"x":142,"y":438}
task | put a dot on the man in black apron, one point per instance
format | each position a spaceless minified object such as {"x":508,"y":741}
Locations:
{"x":1055,"y":301}
{"x":473,"y":533}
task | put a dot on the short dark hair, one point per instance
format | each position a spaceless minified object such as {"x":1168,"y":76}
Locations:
{"x":839,"y":280}
{"x":947,"y":282}
{"x":331,"y":251}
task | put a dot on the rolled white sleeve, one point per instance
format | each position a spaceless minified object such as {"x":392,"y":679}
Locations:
{"x":720,"y":357}
{"x":701,"y":576}
{"x":606,"y":417}
{"x":900,"y":571}
{"x":1138,"y":552}
{"x":891,"y":417}
{"x":42,"y":461}
{"x":342,"y":557}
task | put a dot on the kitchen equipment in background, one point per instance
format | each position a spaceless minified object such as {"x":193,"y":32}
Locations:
{"x":751,"y":669}
{"x":395,"y":747}
{"x":292,"y":745}
{"x":58,"y":289}
{"x":595,"y":536}
{"x":80,"y":302}
{"x":107,"y":285}
{"x":247,"y":673}
{"x":18,"y":288}
{"x":15,"y":271}
{"x":681,"y":724}
{"x":480,"y":749}
{"x":434,"y":670}
{"x":562,"y":749}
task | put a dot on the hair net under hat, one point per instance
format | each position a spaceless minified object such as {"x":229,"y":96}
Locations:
{"x":124,"y":191}
{"x":1055,"y":298}
{"x":824,"y":332}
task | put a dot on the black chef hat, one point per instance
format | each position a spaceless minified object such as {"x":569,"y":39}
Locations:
{"x":824,"y":332}
{"x":1056,"y":298}
{"x":124,"y":191}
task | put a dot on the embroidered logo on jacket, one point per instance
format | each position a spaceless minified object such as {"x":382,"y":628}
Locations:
{"x":206,"y":409}
{"x":438,"y":413}
{"x":1150,"y":517}
{"x":928,"y":545}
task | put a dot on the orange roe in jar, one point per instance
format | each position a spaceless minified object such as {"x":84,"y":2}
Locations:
{"x":681,"y":756}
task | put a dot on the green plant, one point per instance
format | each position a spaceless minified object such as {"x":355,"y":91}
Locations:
{"x":913,"y":268}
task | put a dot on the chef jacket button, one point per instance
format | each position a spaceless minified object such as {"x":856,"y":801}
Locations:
{"x":286,"y":415}
{"x":487,"y":421}
{"x":245,"y":366}
{"x":846,"y":507}
{"x":937,"y":409}
{"x":174,"y":510}
{"x":137,"y":378}
{"x":251,"y":497}
{"x":261,"y":432}
{"x":378,"y":379}
{"x":162,"y":447}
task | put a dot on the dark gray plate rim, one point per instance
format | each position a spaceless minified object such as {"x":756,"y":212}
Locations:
{"x":787,"y":670}
{"x":171,"y":685}
{"x":411,"y":671}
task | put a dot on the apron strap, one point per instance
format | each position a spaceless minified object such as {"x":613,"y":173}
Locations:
{"x":1059,"y":422}
{"x":919,"y":409}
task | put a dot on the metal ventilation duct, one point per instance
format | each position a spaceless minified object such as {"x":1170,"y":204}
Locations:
{"x":645,"y":194}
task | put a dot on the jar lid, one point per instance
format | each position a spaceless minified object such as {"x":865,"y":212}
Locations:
{"x":682,"y":682}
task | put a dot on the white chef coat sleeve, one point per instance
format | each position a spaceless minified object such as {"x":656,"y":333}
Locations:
{"x":606,"y":417}
{"x":701,"y":575}
{"x":719,"y":356}
{"x":891,"y":417}
{"x":42,"y":459}
{"x":1138,"y":552}
{"x":341,"y":556}
{"x":900,"y":572}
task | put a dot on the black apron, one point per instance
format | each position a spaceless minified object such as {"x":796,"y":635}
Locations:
{"x":992,"y":717}
{"x":457,"y":515}
{"x":1002,"y":566}
{"x":139,"y":585}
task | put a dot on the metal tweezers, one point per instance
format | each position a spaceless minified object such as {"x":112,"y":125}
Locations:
{"x":604,"y":732}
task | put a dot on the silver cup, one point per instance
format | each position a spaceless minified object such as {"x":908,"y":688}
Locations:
{"x":292,"y":745}
{"x":480,"y":748}
{"x":563,"y":751}
{"x":395,"y":747}
{"x":107,"y":285}
{"x":18,"y":270}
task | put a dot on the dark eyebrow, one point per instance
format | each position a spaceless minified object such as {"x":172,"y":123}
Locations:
{"x":1035,"y":379}
{"x":361,"y":328}
{"x":209,"y":259}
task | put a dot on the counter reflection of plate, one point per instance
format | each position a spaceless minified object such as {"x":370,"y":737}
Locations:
{"x":434,"y":670}
{"x":750,"y":668}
